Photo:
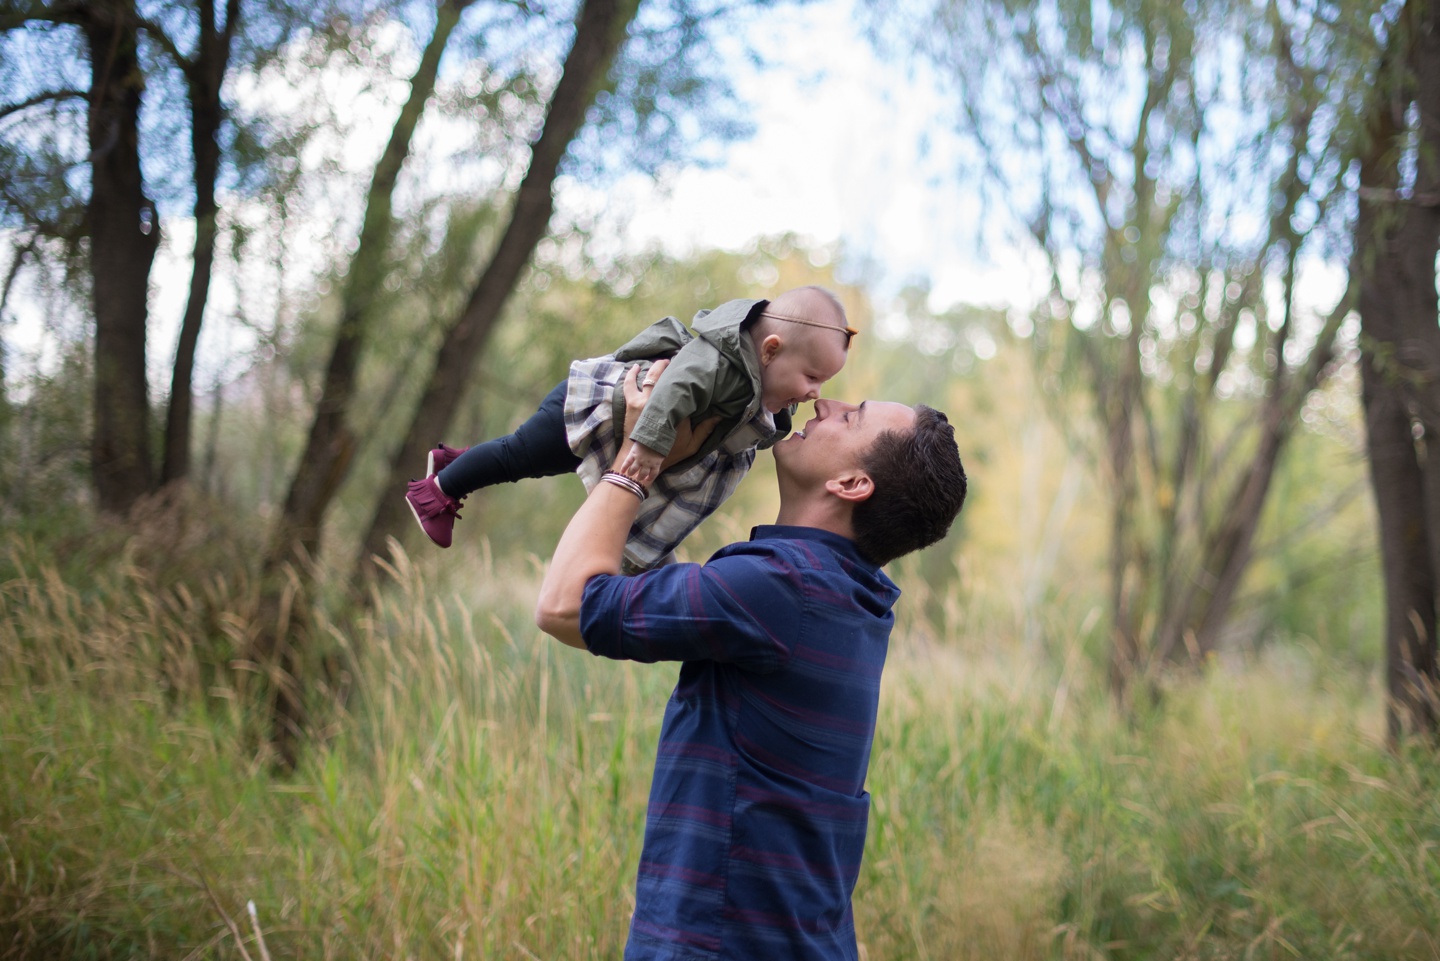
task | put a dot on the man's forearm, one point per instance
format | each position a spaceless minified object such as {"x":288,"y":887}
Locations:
{"x":593,"y":543}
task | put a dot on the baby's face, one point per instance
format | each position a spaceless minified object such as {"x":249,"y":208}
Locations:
{"x":804,"y":362}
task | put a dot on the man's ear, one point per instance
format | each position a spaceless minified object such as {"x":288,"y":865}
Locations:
{"x":854,"y":486}
{"x":770,"y":349}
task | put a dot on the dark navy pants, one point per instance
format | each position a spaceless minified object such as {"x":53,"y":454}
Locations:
{"x":537,"y":449}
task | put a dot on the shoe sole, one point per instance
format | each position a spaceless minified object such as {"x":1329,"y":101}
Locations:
{"x":429,"y":466}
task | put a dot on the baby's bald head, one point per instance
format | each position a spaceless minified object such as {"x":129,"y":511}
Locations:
{"x":807,"y":309}
{"x":812,"y":303}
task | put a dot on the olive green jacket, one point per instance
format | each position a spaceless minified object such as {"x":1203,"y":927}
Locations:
{"x":713,"y":372}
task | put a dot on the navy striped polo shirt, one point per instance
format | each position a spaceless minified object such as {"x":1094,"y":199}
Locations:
{"x":758,"y":809}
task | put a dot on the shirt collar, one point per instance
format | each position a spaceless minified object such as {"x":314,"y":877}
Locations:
{"x":838,"y":542}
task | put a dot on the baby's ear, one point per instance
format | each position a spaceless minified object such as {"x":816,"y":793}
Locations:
{"x":770,"y":348}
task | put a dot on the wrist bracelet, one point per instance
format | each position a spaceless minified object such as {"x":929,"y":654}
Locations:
{"x":620,"y":480}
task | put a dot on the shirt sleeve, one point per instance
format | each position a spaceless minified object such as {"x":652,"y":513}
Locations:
{"x":686,"y":388}
{"x":742,"y":609}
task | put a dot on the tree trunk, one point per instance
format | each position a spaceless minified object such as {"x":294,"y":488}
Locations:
{"x":1396,"y":240}
{"x":124,"y":234}
{"x":1125,"y":649}
{"x":599,"y":33}
{"x":1118,"y":389}
{"x":331,"y":443}
{"x":205,"y":76}
{"x":1404,"y":547}
{"x":1421,"y":242}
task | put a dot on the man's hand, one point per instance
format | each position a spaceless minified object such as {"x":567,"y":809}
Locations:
{"x":688,"y":440}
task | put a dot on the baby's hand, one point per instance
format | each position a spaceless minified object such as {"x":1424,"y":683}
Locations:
{"x":642,"y":464}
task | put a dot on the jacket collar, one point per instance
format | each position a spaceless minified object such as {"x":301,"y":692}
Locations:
{"x":721,"y":326}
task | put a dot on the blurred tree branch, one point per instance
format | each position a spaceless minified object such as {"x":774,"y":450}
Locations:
{"x":46,"y":97}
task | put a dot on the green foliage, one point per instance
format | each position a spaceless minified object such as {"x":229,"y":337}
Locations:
{"x":1317,"y":573}
{"x":45,"y":473}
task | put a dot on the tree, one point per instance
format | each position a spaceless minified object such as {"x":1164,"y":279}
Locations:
{"x":332,"y":439}
{"x":1397,"y":237}
{"x":130,"y":49}
{"x":204,"y":73}
{"x":600,"y":30}
{"x":341,"y":424}
{"x":124,"y":235}
{"x":122,"y":225}
{"x":1133,"y":144}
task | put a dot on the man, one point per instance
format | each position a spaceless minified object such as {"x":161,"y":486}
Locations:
{"x":758,"y":809}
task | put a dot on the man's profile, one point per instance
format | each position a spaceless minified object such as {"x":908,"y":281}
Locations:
{"x":758,"y":810}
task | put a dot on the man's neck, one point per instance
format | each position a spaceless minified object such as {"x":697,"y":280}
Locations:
{"x":824,"y":513}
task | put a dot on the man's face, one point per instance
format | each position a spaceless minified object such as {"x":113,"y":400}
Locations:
{"x":836,"y":439}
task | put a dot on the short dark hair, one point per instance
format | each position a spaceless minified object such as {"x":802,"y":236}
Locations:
{"x":919,"y":488}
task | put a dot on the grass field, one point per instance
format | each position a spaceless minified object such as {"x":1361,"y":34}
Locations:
{"x":482,"y":794}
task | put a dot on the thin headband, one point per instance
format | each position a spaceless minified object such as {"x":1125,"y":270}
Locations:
{"x":847,"y":331}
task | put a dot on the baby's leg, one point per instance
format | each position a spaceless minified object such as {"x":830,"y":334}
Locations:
{"x":538,"y":448}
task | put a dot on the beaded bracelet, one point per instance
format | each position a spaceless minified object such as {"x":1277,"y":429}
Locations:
{"x":620,"y":480}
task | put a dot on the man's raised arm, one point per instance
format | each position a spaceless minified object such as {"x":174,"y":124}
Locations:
{"x":594,"y":541}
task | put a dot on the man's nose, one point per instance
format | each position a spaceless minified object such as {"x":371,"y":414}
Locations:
{"x":825,"y":407}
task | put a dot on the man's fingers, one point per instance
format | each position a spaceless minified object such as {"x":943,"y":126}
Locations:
{"x":637,"y":394}
{"x":635,"y":398}
{"x":652,"y":377}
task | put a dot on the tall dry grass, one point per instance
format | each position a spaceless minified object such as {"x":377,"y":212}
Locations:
{"x":482,"y":792}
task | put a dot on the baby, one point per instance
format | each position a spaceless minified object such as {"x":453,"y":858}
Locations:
{"x":747,"y":363}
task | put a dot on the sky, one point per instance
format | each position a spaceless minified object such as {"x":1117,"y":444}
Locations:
{"x":848,"y":149}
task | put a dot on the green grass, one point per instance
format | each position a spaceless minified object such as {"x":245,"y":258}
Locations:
{"x":482,"y":794}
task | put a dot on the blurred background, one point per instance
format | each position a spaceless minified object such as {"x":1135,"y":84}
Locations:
{"x":1168,"y":688}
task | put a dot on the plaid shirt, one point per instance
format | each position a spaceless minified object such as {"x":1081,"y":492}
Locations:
{"x":678,"y":502}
